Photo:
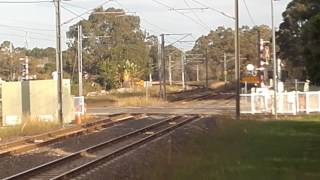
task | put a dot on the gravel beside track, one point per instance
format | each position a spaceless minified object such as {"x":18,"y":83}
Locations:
{"x":136,"y":164}
{"x":15,"y":164}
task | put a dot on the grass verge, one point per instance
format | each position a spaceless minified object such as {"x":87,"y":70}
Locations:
{"x":246,"y":150}
{"x":132,"y":97}
{"x":29,"y":128}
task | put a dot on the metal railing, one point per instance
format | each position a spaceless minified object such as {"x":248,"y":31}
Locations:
{"x":287,"y":103}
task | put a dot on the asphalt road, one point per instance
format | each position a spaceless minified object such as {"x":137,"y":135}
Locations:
{"x":205,"y":107}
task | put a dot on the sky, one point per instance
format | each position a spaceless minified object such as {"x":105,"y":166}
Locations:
{"x":35,"y":23}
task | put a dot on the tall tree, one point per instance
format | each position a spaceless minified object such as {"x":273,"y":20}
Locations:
{"x":110,"y":39}
{"x":289,"y":36}
{"x":311,"y":41}
{"x":221,"y":41}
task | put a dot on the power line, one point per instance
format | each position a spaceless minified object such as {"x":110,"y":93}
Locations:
{"x":24,"y":2}
{"x":23,"y":36}
{"x":86,"y":12}
{"x":249,"y":13}
{"x":31,"y":32}
{"x":147,"y":21}
{"x":24,"y":27}
{"x":188,"y":9}
{"x":179,"y":39}
{"x":192,"y":19}
{"x":72,"y":12}
{"x":214,"y":9}
{"x":197,"y":17}
{"x":75,"y":6}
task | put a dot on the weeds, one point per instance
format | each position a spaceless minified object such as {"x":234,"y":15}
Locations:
{"x":131,"y":97}
{"x":29,"y":128}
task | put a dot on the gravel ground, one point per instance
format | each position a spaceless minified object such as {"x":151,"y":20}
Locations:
{"x":136,"y":165}
{"x":14,"y":164}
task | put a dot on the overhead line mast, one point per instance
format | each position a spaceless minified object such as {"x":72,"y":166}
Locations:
{"x":59,"y":63}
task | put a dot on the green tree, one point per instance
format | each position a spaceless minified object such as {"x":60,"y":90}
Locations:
{"x":109,"y":40}
{"x":221,"y":41}
{"x":289,"y":36}
{"x":311,"y":41}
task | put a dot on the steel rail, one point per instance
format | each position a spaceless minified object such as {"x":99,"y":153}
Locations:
{"x":44,"y":139}
{"x":53,"y":164}
{"x":78,"y":170}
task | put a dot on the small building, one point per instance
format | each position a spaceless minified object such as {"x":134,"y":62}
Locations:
{"x":21,"y":101}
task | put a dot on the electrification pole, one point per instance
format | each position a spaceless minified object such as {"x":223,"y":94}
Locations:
{"x":259,"y":48}
{"x":164,"y":95}
{"x":182,"y":71}
{"x":160,"y":70}
{"x":198,"y":71}
{"x":207,"y":75}
{"x":275,"y":64}
{"x":259,"y":65}
{"x":11,"y":61}
{"x":225,"y":71}
{"x":237,"y":59}
{"x":80,"y":69}
{"x":170,"y":71}
{"x":59,"y":61}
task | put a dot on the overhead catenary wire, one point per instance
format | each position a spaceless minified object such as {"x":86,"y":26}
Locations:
{"x":187,"y":35}
{"x":27,"y":28}
{"x":79,"y":15}
{"x":249,"y":12}
{"x":145,"y":20}
{"x":31,"y":32}
{"x":183,"y":14}
{"x":214,"y":9}
{"x":73,"y":5}
{"x":86,"y":12}
{"x":196,"y":16}
{"x":72,"y":12}
{"x":29,"y":37}
{"x":25,"y":2}
{"x":148,"y":22}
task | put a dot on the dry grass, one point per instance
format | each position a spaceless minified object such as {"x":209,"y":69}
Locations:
{"x":131,"y":97}
{"x":29,"y":128}
{"x":87,"y":118}
{"x":33,"y":127}
{"x":138,"y":101}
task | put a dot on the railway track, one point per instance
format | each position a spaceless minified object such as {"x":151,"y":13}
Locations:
{"x":27,"y":144}
{"x":80,"y":162}
{"x":204,"y":96}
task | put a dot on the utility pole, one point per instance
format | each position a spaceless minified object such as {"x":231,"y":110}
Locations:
{"x":183,"y":70}
{"x":11,"y":61}
{"x":207,"y":75}
{"x":275,"y":64}
{"x":225,"y":70}
{"x":26,"y":78}
{"x":59,"y":60}
{"x":160,"y":70}
{"x":80,"y":68}
{"x":164,"y":93}
{"x":27,"y":68}
{"x":151,"y":70}
{"x":259,"y":48}
{"x":259,"y":65}
{"x":198,"y":79}
{"x":170,"y":71}
{"x":237,"y":59}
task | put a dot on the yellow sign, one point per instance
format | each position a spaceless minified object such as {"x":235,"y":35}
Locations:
{"x":250,"y":79}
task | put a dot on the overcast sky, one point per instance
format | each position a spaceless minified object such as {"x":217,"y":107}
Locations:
{"x":39,"y":19}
